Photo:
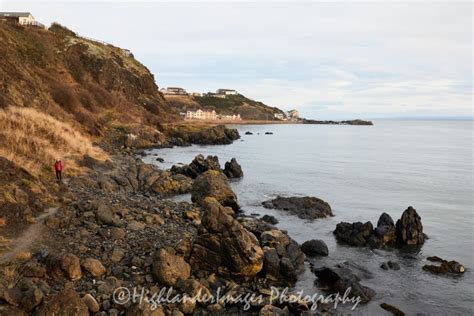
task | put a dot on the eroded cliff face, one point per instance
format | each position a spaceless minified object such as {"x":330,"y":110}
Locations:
{"x":78,"y":80}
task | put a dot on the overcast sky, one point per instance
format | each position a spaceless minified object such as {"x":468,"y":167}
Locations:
{"x":329,"y":60}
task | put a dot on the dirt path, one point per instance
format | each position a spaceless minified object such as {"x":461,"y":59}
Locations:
{"x":29,"y":237}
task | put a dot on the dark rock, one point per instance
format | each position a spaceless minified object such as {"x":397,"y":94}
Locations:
{"x":392,"y":309}
{"x":270,"y":219}
{"x":384,"y":233}
{"x":233,"y":170}
{"x":355,"y":234}
{"x":198,"y":166}
{"x":214,"y":184}
{"x":213,"y":135}
{"x":409,"y":229}
{"x":390,"y":265}
{"x":159,"y":159}
{"x":445,"y":267}
{"x":255,"y":226}
{"x":340,"y":280}
{"x":248,"y":133}
{"x":315,"y":247}
{"x":268,"y":133}
{"x":303,"y":207}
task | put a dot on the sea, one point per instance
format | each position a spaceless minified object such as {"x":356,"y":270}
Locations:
{"x":362,"y":171}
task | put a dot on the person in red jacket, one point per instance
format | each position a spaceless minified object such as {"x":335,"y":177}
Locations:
{"x":58,"y":167}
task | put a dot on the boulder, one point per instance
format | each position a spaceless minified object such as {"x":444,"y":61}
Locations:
{"x":226,"y":243}
{"x":66,"y":302}
{"x":288,"y":262}
{"x":94,"y":267}
{"x":444,"y":267}
{"x":384,"y":234}
{"x":168,"y":268}
{"x":315,"y":247}
{"x":270,"y":219}
{"x":355,"y":234}
{"x":198,"y":166}
{"x":409,"y":230}
{"x":392,"y":309}
{"x":340,"y":280}
{"x":64,"y":265}
{"x":105,"y":215}
{"x":233,"y":170}
{"x":91,"y":303}
{"x":390,"y":265}
{"x":304,"y":207}
{"x":214,"y":184}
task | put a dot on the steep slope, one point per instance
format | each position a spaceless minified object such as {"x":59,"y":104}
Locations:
{"x":233,"y":104}
{"x":77,"y":80}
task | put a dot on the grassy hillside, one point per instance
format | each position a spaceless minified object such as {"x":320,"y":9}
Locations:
{"x":232,"y":104}
{"x":77,"y":80}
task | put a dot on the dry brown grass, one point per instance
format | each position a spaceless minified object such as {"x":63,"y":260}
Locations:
{"x":33,"y":140}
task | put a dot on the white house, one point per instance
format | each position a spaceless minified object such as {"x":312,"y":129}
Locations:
{"x":174,"y":90}
{"x":22,"y":18}
{"x":226,"y":92}
{"x":201,"y":115}
{"x":279,"y":116}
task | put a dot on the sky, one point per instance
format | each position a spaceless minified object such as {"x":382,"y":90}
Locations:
{"x":329,"y":60}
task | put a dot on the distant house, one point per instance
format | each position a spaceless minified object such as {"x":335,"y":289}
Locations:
{"x":174,"y":91}
{"x":279,"y":116}
{"x":201,"y":115}
{"x":22,"y":18}
{"x":226,"y":92}
{"x":293,"y":114}
{"x":196,"y":94}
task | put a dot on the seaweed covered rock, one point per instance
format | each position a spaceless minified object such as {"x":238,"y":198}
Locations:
{"x":233,"y":170}
{"x":354,"y":234}
{"x":444,"y":267}
{"x":199,"y":165}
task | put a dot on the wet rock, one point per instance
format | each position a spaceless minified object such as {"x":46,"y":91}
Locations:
{"x":233,"y":170}
{"x":315,"y":247}
{"x":384,"y":233}
{"x":268,"y":133}
{"x":198,"y":166}
{"x":444,"y":267}
{"x":66,"y":302}
{"x":340,"y":280}
{"x":169,"y":268}
{"x":390,"y":265}
{"x":303,"y":207}
{"x":94,"y":267}
{"x":290,"y":257}
{"x":91,"y":303}
{"x":409,"y":229}
{"x":255,"y":226}
{"x":226,"y":243}
{"x":392,"y":309}
{"x":64,"y":265}
{"x":248,"y":133}
{"x":355,"y":234}
{"x":270,"y":219}
{"x":159,"y":159}
{"x":214,"y":184}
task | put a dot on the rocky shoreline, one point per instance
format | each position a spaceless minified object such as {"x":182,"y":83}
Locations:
{"x":114,"y":228}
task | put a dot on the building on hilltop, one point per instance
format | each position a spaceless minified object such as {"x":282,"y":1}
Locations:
{"x":226,"y":92}
{"x":293,"y":115}
{"x":279,"y":116}
{"x":22,"y":18}
{"x":174,"y":91}
{"x":210,"y":116}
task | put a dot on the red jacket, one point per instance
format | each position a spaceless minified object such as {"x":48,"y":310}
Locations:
{"x":58,"y":166}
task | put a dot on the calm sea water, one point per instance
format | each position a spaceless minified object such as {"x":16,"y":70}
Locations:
{"x":362,"y":171}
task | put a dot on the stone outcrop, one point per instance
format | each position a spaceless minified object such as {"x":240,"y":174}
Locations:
{"x":283,"y":258}
{"x":233,"y":170}
{"x":407,"y":232}
{"x":212,"y":135}
{"x":339,"y":279}
{"x":444,"y":267}
{"x":214,"y":184}
{"x":226,"y":244}
{"x":315,"y":247}
{"x":198,"y":166}
{"x":304,"y":207}
{"x":409,"y":229}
